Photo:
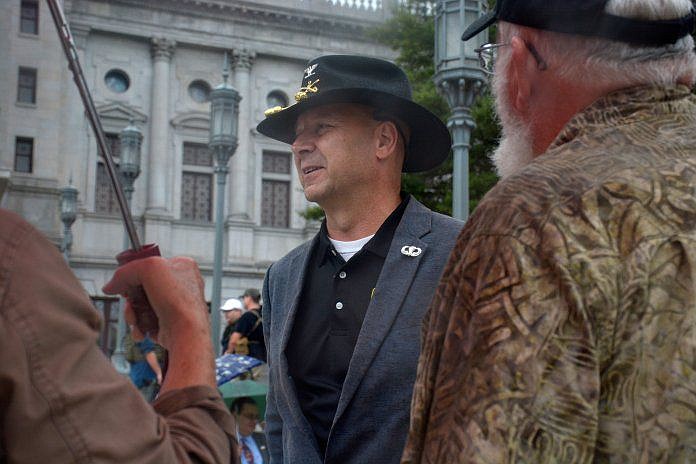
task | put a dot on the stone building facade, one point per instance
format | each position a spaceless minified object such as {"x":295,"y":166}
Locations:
{"x":154,"y":62}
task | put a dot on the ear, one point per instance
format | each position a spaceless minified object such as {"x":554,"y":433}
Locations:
{"x":521,"y":69}
{"x":386,"y":139}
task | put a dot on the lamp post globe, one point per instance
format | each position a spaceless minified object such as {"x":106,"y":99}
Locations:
{"x":459,"y":79}
{"x":68,"y":214}
{"x":131,"y":139}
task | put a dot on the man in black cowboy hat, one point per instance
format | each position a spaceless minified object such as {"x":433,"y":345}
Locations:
{"x":564,"y":330}
{"x":342,"y":313}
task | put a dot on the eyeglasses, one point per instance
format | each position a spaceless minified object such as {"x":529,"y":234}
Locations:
{"x":488,"y":55}
{"x":251,"y":417}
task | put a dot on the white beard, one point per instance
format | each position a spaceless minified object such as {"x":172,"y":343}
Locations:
{"x":515,"y":149}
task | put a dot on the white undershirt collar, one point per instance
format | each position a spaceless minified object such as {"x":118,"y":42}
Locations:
{"x":348,"y":249}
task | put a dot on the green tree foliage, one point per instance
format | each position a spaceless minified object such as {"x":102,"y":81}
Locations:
{"x":484,"y":139}
{"x":411,"y":33}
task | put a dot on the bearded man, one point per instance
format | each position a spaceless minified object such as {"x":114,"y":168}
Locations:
{"x":564,"y":329}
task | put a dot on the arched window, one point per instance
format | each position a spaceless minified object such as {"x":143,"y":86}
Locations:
{"x":276,"y":98}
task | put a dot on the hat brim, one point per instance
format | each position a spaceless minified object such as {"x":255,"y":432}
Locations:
{"x":479,"y":25}
{"x":429,"y":141}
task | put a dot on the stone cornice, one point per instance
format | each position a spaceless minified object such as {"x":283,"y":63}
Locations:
{"x":339,"y":20}
{"x":80,"y":32}
{"x":228,"y":24}
{"x":289,"y":12}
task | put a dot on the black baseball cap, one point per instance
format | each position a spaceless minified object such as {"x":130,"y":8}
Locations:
{"x":377,"y":83}
{"x":584,"y":17}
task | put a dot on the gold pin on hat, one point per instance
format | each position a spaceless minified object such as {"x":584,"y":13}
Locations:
{"x":311,"y":87}
{"x":272,"y":111}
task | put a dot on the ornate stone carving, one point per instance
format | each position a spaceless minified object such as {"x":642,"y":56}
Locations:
{"x":162,"y":48}
{"x":243,"y":59}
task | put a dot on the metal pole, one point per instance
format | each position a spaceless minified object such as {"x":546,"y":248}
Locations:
{"x":221,"y":178}
{"x":67,"y":242}
{"x":460,"y":182}
{"x":70,"y":50}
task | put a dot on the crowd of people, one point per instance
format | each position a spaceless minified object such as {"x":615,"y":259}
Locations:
{"x":557,"y":325}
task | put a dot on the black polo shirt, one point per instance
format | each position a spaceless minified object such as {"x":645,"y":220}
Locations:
{"x":330,"y":314}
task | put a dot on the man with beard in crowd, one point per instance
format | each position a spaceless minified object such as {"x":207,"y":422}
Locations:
{"x":564,"y":329}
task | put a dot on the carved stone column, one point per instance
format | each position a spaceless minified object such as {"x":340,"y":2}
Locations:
{"x":243,"y":163}
{"x":158,"y":168}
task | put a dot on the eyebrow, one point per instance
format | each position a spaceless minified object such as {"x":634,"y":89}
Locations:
{"x":322,"y":117}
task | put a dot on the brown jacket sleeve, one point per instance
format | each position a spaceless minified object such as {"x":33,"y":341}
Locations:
{"x":60,"y":399}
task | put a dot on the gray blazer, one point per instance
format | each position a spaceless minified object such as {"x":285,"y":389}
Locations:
{"x":372,"y":417}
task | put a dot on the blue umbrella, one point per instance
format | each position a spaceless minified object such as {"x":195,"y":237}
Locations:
{"x":229,"y":366}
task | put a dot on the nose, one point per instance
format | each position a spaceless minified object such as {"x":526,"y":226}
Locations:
{"x":303,"y":144}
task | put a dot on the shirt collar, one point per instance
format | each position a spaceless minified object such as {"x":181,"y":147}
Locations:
{"x":621,"y":107}
{"x":378,"y":245}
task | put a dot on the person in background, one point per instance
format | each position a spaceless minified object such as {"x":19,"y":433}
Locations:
{"x":343,"y":311}
{"x":145,"y":358}
{"x":564,"y":328}
{"x":62,"y":401}
{"x":252,"y":444}
{"x":232,"y":310}
{"x":250,"y":327}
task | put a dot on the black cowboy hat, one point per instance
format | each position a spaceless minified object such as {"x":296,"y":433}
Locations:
{"x":584,"y":17}
{"x":368,"y":81}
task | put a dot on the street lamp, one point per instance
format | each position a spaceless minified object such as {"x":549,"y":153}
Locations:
{"x":459,"y":78}
{"x":130,"y":141}
{"x":68,"y":214}
{"x":224,"y":112}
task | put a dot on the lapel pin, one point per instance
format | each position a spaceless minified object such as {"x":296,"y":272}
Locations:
{"x":410,"y":250}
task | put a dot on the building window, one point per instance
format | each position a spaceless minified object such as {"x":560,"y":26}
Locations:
{"x":117,"y":81}
{"x":109,"y":309}
{"x":275,"y":189}
{"x":29,"y":17}
{"x":197,"y":183}
{"x":197,"y":154}
{"x":105,"y":197}
{"x":26,"y":85}
{"x":199,"y":91}
{"x":276,"y":98}
{"x":24,"y":154}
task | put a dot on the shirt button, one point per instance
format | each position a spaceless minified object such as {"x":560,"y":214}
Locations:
{"x":342,"y":274}
{"x":339,"y":305}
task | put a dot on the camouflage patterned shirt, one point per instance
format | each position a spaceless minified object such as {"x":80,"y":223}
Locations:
{"x":564,"y":329}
